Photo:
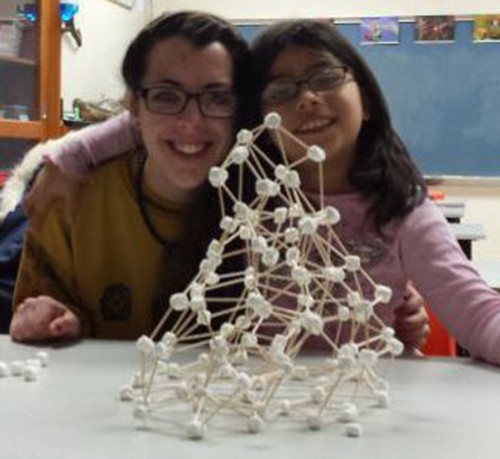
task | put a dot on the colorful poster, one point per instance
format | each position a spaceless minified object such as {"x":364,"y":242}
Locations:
{"x":486,"y":28}
{"x":379,"y":30}
{"x":434,"y":29}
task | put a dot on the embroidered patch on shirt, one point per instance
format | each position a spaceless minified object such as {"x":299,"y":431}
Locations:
{"x":116,"y":303}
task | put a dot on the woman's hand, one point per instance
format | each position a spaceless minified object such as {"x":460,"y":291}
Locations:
{"x":44,"y":318}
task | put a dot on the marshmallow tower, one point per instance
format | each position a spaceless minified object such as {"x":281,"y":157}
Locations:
{"x":299,"y":282}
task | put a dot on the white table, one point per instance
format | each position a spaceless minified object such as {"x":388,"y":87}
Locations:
{"x":466,"y":234}
{"x":440,"y":408}
{"x":453,"y":210}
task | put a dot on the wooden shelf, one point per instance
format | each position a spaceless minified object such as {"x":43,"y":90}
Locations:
{"x":43,"y":72}
{"x":21,"y":129}
{"x":17,"y":60}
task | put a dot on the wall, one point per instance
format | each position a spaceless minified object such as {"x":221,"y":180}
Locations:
{"x":482,"y":198}
{"x":93,"y":71}
{"x":278,"y":9}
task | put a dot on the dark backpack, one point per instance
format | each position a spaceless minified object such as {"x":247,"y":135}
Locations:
{"x":12,"y":231}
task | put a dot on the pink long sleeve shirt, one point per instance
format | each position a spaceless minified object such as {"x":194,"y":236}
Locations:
{"x":422,"y":249}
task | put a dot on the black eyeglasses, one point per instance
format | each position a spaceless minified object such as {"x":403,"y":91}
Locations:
{"x":279,"y":92}
{"x":170,"y":100}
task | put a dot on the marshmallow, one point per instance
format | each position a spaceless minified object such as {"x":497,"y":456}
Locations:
{"x":308,"y":225}
{"x":348,"y":413}
{"x":226,"y":329}
{"x":126,"y":393}
{"x":198,"y":303}
{"x":228,"y":224}
{"x":292,"y":179}
{"x":280,"y":214}
{"x":250,"y":280}
{"x":244,"y":137}
{"x":330,"y":216}
{"x":291,"y":235}
{"x":354,"y":429}
{"x":312,"y":322}
{"x":259,"y":244}
{"x":179,"y":302}
{"x":43,"y":356}
{"x":272,"y":120}
{"x":292,"y":256}
{"x":266,"y":188}
{"x":315,"y":422}
{"x":217,"y":176}
{"x":212,"y":279}
{"x":196,"y":430}
{"x":245,"y":233}
{"x":280,"y":172}
{"x":352,"y":263}
{"x":203,"y":317}
{"x":395,"y":346}
{"x":30,"y":373}
{"x":249,"y":340}
{"x":383,"y":293}
{"x":239,"y":154}
{"x":318,"y":394}
{"x":243,"y":381}
{"x":146,"y":345}
{"x":4,"y":370}
{"x":255,"y":424}
{"x":316,"y":154}
{"x":334,"y":274}
{"x":301,"y":275}
{"x":270,"y":257}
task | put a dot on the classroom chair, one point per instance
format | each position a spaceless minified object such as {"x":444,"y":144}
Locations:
{"x":439,"y":342}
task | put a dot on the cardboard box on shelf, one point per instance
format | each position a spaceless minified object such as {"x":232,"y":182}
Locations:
{"x":10,"y":37}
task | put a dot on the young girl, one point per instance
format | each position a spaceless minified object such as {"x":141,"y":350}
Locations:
{"x":146,"y":218}
{"x":326,"y":95}
{"x":90,"y":146}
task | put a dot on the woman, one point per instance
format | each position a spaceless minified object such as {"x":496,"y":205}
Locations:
{"x":145,"y":219}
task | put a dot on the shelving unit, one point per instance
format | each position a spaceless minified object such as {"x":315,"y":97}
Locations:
{"x":33,"y":83}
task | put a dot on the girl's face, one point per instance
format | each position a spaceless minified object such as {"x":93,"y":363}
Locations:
{"x":182,"y":147}
{"x":329,"y":118}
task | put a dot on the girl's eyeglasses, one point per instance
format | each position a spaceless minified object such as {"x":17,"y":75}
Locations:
{"x":279,"y":92}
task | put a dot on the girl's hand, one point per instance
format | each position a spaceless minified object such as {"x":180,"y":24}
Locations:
{"x":411,"y":322}
{"x":52,"y":185}
{"x":44,"y":318}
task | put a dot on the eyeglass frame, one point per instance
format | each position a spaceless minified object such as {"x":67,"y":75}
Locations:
{"x":143,"y":91}
{"x":298,"y":84}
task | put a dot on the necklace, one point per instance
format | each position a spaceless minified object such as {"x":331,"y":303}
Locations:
{"x":141,"y":201}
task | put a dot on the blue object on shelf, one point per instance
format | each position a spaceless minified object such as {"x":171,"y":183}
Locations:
{"x":67,"y":10}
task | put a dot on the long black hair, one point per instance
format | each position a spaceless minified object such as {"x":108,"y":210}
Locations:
{"x":201,"y":223}
{"x":382,"y":169}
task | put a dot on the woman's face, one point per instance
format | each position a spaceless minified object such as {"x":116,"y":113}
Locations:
{"x":329,"y":118}
{"x":182,"y":147}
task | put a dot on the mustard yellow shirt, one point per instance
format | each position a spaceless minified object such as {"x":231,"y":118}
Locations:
{"x":104,"y":265}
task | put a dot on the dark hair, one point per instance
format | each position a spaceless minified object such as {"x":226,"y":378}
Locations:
{"x":201,"y":223}
{"x":382,"y":169}
{"x":200,"y":29}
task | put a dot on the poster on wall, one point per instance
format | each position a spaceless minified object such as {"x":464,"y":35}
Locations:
{"x":432,"y":29}
{"x":486,"y":28}
{"x":379,"y":30}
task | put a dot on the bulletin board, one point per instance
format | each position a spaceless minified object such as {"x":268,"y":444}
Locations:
{"x":444,"y":98}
